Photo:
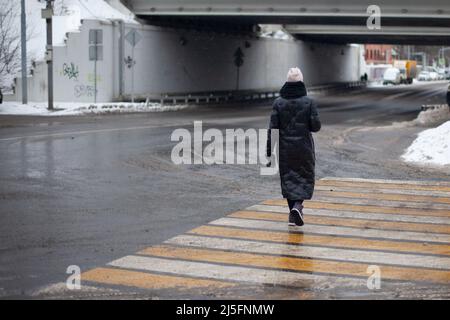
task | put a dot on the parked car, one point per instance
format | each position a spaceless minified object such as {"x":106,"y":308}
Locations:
{"x":447,"y":74}
{"x":441,"y":75}
{"x":424,"y":76}
{"x":434,"y":76}
{"x":392,"y":76}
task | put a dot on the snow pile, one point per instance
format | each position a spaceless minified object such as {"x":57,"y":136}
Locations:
{"x":99,"y":10}
{"x":72,"y":109}
{"x":274,"y":32}
{"x":432,"y":146}
{"x":431,"y":116}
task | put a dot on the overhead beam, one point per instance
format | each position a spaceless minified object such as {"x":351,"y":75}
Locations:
{"x":363,"y":30}
{"x":435,"y":9}
{"x":381,"y":39}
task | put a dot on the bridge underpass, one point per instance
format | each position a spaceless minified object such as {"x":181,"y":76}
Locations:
{"x":403,"y":22}
{"x":207,"y":34}
{"x":191,"y":48}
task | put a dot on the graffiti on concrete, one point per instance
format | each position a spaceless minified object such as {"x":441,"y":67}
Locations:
{"x":82,"y":90}
{"x":129,"y":62}
{"x":70,"y":70}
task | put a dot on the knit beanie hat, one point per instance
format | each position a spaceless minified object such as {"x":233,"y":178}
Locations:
{"x":294,"y":75}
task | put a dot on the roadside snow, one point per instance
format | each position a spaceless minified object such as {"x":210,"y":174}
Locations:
{"x":71,"y":109}
{"x":432,"y":116}
{"x":432,"y":146}
{"x":379,"y":83}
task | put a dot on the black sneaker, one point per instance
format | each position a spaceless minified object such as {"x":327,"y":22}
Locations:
{"x":296,"y":216}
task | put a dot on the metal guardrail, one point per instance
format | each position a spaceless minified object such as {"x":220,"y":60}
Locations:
{"x":211,"y":97}
{"x":236,"y":96}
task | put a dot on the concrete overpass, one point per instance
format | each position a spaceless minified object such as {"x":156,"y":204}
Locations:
{"x":405,"y":21}
{"x":191,"y":47}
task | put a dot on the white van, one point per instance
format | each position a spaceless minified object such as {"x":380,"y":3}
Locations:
{"x":391,"y":75}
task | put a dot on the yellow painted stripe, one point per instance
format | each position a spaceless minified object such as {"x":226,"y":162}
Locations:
{"x":333,"y":241}
{"x":147,"y":280}
{"x":356,"y":223}
{"x":362,"y":184}
{"x":365,"y":208}
{"x":296,"y":264}
{"x":384,"y":196}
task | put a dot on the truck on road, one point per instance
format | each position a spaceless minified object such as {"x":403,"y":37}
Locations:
{"x":408,"y":70}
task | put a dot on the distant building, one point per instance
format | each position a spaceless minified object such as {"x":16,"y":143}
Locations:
{"x":378,"y":53}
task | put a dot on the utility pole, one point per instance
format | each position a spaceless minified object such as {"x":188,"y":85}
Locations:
{"x":133,"y":37}
{"x":121,"y":57}
{"x":23,"y":39}
{"x":47,"y":14}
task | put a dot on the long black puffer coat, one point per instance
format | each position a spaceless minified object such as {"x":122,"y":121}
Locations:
{"x":296,"y":116}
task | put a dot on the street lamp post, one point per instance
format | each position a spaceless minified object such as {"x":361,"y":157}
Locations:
{"x":47,"y":14}
{"x":23,"y":39}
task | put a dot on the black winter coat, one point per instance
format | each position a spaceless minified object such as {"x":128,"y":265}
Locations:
{"x":296,"y":116}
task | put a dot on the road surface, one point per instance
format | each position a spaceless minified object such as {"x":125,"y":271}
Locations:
{"x":88,"y":190}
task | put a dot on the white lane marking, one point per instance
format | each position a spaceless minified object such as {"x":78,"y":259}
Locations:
{"x":375,"y":189}
{"x":355,"y":215}
{"x":444,"y":208}
{"x":235,"y":273}
{"x":388,"y":181}
{"x":331,"y":230}
{"x":381,"y":202}
{"x":93,"y":131}
{"x":360,"y":256}
{"x":167,"y":125}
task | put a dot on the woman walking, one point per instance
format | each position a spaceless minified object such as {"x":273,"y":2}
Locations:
{"x":296,"y":116}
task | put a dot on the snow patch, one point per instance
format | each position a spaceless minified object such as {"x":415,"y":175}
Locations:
{"x":73,"y":109}
{"x":70,"y":14}
{"x":96,"y":9}
{"x":433,"y":116}
{"x":427,"y":117}
{"x":432,"y":146}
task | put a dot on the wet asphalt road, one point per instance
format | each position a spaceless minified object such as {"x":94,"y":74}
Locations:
{"x":87,"y":190}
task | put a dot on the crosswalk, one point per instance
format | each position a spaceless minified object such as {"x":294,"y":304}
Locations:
{"x":401,"y":227}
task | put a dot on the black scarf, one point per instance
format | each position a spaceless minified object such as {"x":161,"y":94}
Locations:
{"x":293,"y":90}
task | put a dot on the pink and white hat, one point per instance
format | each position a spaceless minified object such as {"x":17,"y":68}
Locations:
{"x":294,"y":75}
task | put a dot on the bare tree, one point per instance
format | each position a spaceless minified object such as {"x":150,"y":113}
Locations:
{"x":10,"y":63}
{"x":61,"y":8}
{"x":9,"y":41}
